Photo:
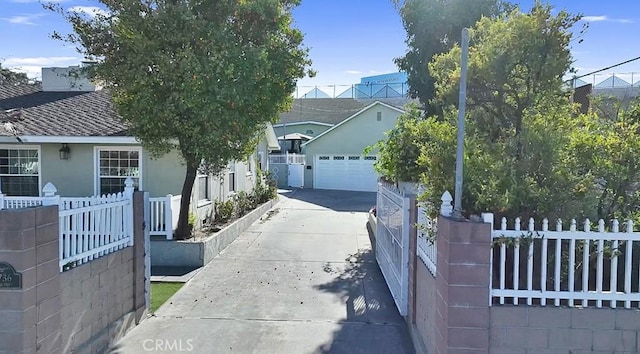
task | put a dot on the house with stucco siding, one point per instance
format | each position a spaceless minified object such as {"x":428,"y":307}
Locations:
{"x":65,"y":131}
{"x":340,"y":129}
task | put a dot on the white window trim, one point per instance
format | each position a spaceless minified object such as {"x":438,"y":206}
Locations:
{"x":29,"y":147}
{"x":96,"y":163}
{"x":250,"y":165}
{"x":207,"y":201}
{"x":232,"y":168}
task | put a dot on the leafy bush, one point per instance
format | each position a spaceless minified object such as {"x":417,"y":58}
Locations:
{"x":263,"y":193}
{"x":243,"y":203}
{"x":193,"y":219}
{"x":399,"y":152}
{"x":224,"y":210}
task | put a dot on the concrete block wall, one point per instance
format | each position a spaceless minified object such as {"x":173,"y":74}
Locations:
{"x":534,"y":329}
{"x":97,"y":301}
{"x":82,"y":310}
{"x":449,"y":312}
{"x":30,"y":316}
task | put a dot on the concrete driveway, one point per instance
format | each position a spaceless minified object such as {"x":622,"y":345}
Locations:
{"x":302,"y":281}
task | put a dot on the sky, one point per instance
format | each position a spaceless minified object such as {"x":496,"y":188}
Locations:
{"x":348,"y":39}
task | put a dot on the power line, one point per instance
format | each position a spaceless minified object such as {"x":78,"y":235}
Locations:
{"x":604,"y":69}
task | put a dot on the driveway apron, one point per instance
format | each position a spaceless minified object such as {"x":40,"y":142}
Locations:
{"x":302,"y":280}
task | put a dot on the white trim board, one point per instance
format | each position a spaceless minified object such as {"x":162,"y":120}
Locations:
{"x":79,"y":139}
{"x":301,"y":123}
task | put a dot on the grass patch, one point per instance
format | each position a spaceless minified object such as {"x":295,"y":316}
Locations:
{"x":161,"y":292}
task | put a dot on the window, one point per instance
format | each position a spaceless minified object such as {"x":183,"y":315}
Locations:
{"x":19,"y":172}
{"x":203,"y":188}
{"x":115,"y":166}
{"x":250,"y":163}
{"x":379,"y":116}
{"x":232,"y":177}
{"x":261,"y":163}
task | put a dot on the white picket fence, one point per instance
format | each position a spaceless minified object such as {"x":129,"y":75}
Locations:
{"x":427,"y":249}
{"x":565,"y":267}
{"x":89,"y":227}
{"x":164,"y":212}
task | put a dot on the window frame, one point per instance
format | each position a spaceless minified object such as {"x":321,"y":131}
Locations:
{"x":207,"y":199}
{"x":96,"y":163}
{"x":38,"y":149}
{"x":232,"y":180}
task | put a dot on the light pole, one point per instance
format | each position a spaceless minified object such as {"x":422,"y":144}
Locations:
{"x":462,"y":105}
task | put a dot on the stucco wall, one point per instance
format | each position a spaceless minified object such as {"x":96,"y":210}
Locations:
{"x":352,"y":137}
{"x":316,"y":129}
{"x":76,"y":177}
{"x":528,"y":329}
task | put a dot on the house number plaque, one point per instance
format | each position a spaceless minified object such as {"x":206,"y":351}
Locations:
{"x":9,"y":278}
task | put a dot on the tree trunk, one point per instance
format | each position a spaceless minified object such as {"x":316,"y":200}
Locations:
{"x":184,"y":230}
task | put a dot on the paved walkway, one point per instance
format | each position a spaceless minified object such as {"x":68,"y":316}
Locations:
{"x":303,"y":281}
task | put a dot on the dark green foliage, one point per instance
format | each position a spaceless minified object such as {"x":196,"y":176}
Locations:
{"x":199,"y":76}
{"x":224,"y":210}
{"x":10,"y":77}
{"x":434,"y":27}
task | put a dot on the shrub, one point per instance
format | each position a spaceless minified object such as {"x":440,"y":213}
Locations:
{"x":243,"y":203}
{"x":224,"y":210}
{"x":263,"y":193}
{"x":193,"y":219}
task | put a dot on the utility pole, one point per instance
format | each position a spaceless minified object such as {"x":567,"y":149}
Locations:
{"x":462,"y":105}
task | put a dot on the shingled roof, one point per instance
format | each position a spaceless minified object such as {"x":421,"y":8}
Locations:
{"x":329,"y":110}
{"x":68,"y":113}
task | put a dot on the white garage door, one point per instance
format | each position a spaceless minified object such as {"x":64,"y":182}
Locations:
{"x":345,"y":172}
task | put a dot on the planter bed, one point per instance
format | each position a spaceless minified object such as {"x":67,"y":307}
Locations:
{"x":197,"y":252}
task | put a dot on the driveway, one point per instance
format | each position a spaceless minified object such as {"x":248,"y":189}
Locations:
{"x":302,"y":281}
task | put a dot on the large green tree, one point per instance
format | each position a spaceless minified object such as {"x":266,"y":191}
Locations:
{"x":434,"y":27}
{"x":199,"y":76}
{"x":519,"y":120}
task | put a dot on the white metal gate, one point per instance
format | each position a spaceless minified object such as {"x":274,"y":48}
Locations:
{"x":392,"y":242}
{"x":296,"y":175}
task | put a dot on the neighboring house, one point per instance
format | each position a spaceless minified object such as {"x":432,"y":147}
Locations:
{"x":67,"y":133}
{"x":341,"y":128}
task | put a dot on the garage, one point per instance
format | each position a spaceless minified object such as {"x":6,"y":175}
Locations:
{"x":345,"y":172}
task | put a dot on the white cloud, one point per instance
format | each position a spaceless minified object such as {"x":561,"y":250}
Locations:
{"x":606,"y":19}
{"x":353,"y":72}
{"x":595,"y":18}
{"x":91,"y":11}
{"x":24,"y":19}
{"x":33,"y":66}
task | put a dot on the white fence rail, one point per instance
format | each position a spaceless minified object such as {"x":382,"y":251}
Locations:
{"x":89,"y":227}
{"x":427,"y":249}
{"x":289,"y":159}
{"x":392,"y":242}
{"x":93,"y":231}
{"x":164,"y":212}
{"x":565,"y":267}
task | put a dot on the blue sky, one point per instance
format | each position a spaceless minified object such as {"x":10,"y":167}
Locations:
{"x":348,"y":38}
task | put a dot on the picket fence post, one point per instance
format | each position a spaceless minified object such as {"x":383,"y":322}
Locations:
{"x":446,"y":209}
{"x":168,"y":217}
{"x":49,"y":195}
{"x":128,"y":193}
